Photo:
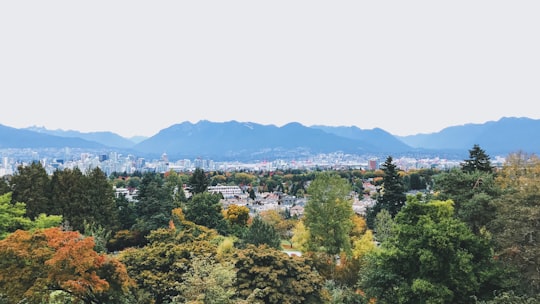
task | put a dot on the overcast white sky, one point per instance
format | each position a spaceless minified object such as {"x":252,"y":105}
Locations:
{"x":136,"y":67}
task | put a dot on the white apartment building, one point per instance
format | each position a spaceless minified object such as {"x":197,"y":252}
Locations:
{"x":226,"y":191}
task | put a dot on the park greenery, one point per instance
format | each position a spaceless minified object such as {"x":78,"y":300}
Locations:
{"x":468,"y":234}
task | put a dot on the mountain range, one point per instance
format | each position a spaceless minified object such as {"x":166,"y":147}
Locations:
{"x":235,"y":140}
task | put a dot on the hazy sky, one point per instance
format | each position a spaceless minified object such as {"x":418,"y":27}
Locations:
{"x":136,"y":67}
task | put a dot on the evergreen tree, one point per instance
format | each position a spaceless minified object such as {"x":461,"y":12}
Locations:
{"x":392,"y":196}
{"x":154,"y":204}
{"x":252,"y":194}
{"x":99,"y":199}
{"x":127,"y":215}
{"x":31,"y":185}
{"x":261,"y":232}
{"x":478,"y":160}
{"x":198,"y":182}
{"x":67,"y":197}
{"x":4,"y":186}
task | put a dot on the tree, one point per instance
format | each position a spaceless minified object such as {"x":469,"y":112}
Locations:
{"x":154,"y":204}
{"x":478,"y":160}
{"x":416,"y":182}
{"x":207,"y":281}
{"x":281,"y":221}
{"x":174,"y":184}
{"x":516,"y":227}
{"x":127,"y":216}
{"x":35,"y":264}
{"x":99,"y":200}
{"x":271,"y":276}
{"x":198,"y":182}
{"x":67,"y":197}
{"x":4,"y":186}
{"x":431,"y":257}
{"x":237,"y":215}
{"x":260,"y":232}
{"x":473,"y":194}
{"x":392,"y":196}
{"x":159,"y":267}
{"x":252,"y":194}
{"x":12,"y":217}
{"x":205,"y":209}
{"x":328,"y":214}
{"x":300,"y":236}
{"x":30,"y":184}
{"x":383,"y":226}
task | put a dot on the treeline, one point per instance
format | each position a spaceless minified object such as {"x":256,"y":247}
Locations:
{"x":469,"y":237}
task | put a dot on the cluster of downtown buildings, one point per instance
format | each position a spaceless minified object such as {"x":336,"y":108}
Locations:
{"x":110,"y":162}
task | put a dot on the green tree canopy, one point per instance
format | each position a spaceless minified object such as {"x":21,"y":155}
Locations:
{"x":205,"y":209}
{"x":4,"y":186}
{"x":31,"y":185}
{"x":473,"y":194}
{"x":392,"y":195}
{"x":99,"y":200}
{"x":328,"y":213}
{"x":516,"y":228}
{"x":267,"y":275}
{"x":198,"y":181}
{"x":154,"y":204}
{"x":261,"y":232}
{"x":67,"y":196}
{"x":175,"y":185}
{"x":478,"y":160}
{"x":431,"y":257}
{"x":159,"y":267}
{"x":208,"y":281}
{"x":12,"y":216}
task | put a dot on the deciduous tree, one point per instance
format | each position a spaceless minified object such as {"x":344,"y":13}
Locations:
{"x":271,"y":276}
{"x":159,"y":266}
{"x":516,"y":228}
{"x":12,"y":216}
{"x":237,"y":215}
{"x":208,"y":282}
{"x":328,"y":214}
{"x":473,"y":194}
{"x":35,"y":264}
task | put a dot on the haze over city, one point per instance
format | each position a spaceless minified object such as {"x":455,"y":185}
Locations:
{"x":134,"y":67}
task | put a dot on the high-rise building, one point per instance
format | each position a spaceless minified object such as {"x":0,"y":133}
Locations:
{"x":372,"y":164}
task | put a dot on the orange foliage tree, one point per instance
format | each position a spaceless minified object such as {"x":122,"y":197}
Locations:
{"x":35,"y":264}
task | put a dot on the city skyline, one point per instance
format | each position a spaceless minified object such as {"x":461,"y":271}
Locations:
{"x":134,"y":68}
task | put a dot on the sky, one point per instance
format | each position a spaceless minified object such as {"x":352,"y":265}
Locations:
{"x":137,"y":67}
